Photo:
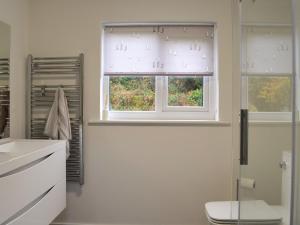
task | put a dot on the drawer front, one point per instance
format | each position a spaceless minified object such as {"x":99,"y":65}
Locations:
{"x":26,"y":184}
{"x":46,"y":209}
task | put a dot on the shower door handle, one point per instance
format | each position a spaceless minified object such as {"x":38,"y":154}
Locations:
{"x":244,"y":137}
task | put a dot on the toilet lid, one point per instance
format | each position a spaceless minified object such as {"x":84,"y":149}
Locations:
{"x":251,"y":211}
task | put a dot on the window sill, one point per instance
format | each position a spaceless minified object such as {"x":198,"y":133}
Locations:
{"x":269,"y":123}
{"x":159,"y":123}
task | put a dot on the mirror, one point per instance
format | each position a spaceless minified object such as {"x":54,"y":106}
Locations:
{"x":4,"y":79}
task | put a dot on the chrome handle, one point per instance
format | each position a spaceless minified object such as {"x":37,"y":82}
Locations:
{"x":244,"y":137}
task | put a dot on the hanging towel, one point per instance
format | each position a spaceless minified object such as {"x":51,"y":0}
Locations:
{"x":58,"y":124}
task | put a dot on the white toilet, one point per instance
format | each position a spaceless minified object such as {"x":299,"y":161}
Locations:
{"x":256,"y":212}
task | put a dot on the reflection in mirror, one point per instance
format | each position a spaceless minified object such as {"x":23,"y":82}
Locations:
{"x":4,"y":79}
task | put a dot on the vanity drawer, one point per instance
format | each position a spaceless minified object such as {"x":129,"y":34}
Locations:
{"x":44,"y":211}
{"x":21,"y":187}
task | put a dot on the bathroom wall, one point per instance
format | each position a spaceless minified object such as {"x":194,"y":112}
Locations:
{"x":267,"y":141}
{"x":4,"y":40}
{"x":140,"y":174}
{"x":267,"y":12}
{"x":15,"y":13}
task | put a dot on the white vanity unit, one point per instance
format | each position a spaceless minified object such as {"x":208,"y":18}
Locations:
{"x":32,"y":181}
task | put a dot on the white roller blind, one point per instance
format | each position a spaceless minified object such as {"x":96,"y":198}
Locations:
{"x":159,"y":50}
{"x":267,"y":50}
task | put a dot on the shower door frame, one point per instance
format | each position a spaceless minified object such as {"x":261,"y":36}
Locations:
{"x":294,"y":115}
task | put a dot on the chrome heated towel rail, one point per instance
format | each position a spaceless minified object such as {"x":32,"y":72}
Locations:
{"x":45,"y":75}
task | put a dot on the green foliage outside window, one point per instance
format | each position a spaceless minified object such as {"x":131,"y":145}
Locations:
{"x":185,"y":91}
{"x":138,"y":93}
{"x":132,"y":93}
{"x":269,"y":94}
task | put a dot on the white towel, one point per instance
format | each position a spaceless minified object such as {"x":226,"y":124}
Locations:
{"x":58,"y":124}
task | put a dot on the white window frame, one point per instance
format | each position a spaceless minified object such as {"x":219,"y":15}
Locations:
{"x":162,"y":110}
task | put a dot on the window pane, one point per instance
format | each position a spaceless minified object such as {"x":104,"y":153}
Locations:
{"x":269,"y":94}
{"x":132,"y":93}
{"x":185,"y":91}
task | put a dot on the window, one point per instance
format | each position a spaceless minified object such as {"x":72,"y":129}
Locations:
{"x":159,"y":72}
{"x":267,"y":70}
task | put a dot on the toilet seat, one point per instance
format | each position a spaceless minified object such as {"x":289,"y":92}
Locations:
{"x":253,"y":212}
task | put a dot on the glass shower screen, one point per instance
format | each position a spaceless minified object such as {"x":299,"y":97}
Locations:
{"x":266,"y":94}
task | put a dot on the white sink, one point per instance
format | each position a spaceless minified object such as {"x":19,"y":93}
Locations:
{"x":4,"y":150}
{"x":23,"y":146}
{"x":3,"y":142}
{"x":8,"y":147}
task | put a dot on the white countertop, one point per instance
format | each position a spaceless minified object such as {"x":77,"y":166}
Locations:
{"x":15,"y":153}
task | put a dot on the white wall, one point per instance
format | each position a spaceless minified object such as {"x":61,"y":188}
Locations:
{"x":15,"y":13}
{"x":4,"y":40}
{"x":267,"y":11}
{"x":133,"y":181}
{"x":140,"y":174}
{"x":267,"y":141}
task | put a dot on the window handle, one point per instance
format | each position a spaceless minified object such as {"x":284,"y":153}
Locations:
{"x":244,"y":137}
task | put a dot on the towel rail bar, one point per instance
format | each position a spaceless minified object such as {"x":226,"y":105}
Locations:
{"x":54,"y":77}
{"x":56,"y":72}
{"x":48,"y":62}
{"x":50,"y":98}
{"x":43,"y":120}
{"x":55,"y":58}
